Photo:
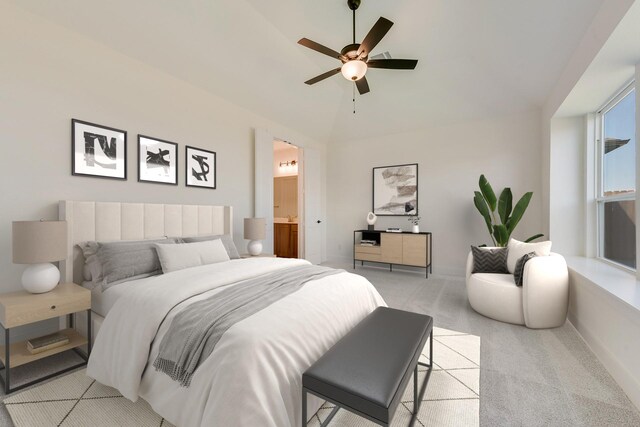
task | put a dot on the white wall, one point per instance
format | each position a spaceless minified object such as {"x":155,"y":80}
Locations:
{"x":567,"y":190}
{"x":608,"y":325}
{"x":50,"y":75}
{"x":451,"y":159}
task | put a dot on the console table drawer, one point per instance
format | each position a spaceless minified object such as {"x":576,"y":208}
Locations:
{"x":368,"y":249}
{"x":368,"y":257}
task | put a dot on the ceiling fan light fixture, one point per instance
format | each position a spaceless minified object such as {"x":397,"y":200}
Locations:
{"x":354,"y":70}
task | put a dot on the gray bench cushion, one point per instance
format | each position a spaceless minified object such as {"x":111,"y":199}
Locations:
{"x":369,"y":368}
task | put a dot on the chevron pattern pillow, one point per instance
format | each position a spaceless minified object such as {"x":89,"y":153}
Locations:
{"x":489,"y":260}
{"x":518,"y":273}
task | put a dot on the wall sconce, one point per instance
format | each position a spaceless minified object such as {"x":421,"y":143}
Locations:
{"x":291,"y":163}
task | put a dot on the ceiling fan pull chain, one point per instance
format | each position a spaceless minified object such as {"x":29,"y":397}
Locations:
{"x":354,"y":97}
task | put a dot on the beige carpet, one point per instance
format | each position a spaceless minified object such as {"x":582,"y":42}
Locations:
{"x":452,"y":397}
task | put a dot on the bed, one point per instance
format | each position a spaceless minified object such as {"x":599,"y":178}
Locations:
{"x":253,"y":376}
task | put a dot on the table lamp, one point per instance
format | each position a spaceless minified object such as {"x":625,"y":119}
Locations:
{"x":39,"y":243}
{"x":255,"y":231}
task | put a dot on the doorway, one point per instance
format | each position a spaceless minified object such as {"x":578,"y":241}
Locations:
{"x":286,"y":200}
{"x":310,"y":221}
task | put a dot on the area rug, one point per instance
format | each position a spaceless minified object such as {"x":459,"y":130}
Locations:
{"x":452,"y":397}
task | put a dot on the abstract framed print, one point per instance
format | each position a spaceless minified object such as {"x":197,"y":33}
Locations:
{"x":200,"y":168}
{"x":395,"y":190}
{"x":98,"y":151}
{"x":157,"y":160}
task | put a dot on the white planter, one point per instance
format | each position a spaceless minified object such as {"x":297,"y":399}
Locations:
{"x":415,"y":229}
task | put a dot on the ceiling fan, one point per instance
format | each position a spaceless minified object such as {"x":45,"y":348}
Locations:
{"x":355,"y":57}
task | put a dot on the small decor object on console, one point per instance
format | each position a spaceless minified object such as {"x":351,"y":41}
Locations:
{"x":157,"y":161}
{"x":255,"y":231}
{"x":39,"y":243}
{"x":394,"y":230}
{"x":395,"y":190}
{"x":200,"y":168}
{"x":98,"y":151}
{"x":415,"y":221}
{"x":371,"y":220}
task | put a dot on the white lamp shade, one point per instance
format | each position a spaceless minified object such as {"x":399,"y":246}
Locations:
{"x":255,"y":229}
{"x":36,"y":242}
{"x":354,"y":70}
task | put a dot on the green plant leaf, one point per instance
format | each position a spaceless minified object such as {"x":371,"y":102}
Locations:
{"x":501,"y":234}
{"x":487,"y":193}
{"x":518,"y":211}
{"x":504,"y":205}
{"x":481,"y":205}
{"x":532,"y":238}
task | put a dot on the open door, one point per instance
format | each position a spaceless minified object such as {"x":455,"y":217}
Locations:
{"x":313,"y":221}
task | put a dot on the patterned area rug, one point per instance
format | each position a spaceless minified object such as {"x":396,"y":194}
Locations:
{"x":452,"y":397}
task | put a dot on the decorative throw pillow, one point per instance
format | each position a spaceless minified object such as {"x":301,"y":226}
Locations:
{"x":179,"y":257}
{"x":489,"y":260}
{"x":519,"y":249}
{"x":111,"y":263}
{"x":226,"y":239}
{"x":518,"y":274}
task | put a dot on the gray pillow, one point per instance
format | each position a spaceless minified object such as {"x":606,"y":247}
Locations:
{"x":115,"y":262}
{"x":489,"y":260}
{"x":227,"y":241}
{"x":518,"y":272}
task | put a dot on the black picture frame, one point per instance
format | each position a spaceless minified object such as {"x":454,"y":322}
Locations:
{"x":143,"y":175}
{"x":377,"y":193}
{"x":209,"y":178}
{"x":83,"y":162}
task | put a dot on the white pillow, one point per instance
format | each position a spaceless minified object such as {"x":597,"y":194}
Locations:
{"x":518,"y":249}
{"x":186,"y":255}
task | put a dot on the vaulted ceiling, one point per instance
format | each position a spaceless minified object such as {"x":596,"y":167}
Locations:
{"x":477,"y":58}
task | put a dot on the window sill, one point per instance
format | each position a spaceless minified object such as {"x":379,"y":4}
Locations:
{"x":620,"y":283}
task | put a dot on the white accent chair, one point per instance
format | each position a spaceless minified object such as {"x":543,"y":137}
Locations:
{"x":541,"y":302}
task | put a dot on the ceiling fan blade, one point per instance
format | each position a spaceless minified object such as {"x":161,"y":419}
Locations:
{"x":323,"y":76}
{"x":362,"y":85}
{"x":377,"y":32}
{"x":319,"y":48}
{"x":393,"y":64}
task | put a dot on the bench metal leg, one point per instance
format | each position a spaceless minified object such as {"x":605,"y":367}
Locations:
{"x":304,"y":407}
{"x":417,"y":397}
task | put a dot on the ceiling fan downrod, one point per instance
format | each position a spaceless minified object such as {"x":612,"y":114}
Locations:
{"x":353,"y":5}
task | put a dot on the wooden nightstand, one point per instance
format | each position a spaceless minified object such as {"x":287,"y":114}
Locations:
{"x":22,"y":308}
{"x":257,"y":256}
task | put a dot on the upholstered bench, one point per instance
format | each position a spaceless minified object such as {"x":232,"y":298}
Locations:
{"x":367,"y":371}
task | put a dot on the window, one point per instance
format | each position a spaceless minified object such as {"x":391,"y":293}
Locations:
{"x":617,"y":179}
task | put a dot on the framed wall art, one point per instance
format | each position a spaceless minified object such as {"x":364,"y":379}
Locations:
{"x":200,"y":166}
{"x":395,"y":190}
{"x":98,"y":151}
{"x":157,"y":160}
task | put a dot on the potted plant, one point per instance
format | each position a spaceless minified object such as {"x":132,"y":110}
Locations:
{"x":415,"y":220}
{"x":486,"y":202}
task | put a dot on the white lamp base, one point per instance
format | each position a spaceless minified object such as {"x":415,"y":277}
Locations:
{"x":254,"y":247}
{"x":40,"y":278}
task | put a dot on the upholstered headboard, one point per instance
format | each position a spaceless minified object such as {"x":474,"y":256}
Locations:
{"x":108,"y":221}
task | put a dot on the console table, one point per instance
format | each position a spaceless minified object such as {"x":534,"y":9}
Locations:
{"x":405,"y":248}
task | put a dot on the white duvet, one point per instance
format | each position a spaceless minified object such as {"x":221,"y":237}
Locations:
{"x":253,"y":377}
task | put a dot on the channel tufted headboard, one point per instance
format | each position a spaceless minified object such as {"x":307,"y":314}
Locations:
{"x":109,"y":221}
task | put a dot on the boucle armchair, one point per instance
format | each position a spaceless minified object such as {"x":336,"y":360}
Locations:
{"x":541,"y":302}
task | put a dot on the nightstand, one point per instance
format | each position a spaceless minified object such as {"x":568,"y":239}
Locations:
{"x":23,"y":308}
{"x":257,"y":256}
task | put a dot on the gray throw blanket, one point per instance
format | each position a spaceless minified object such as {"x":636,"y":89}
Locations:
{"x":195,"y":331}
